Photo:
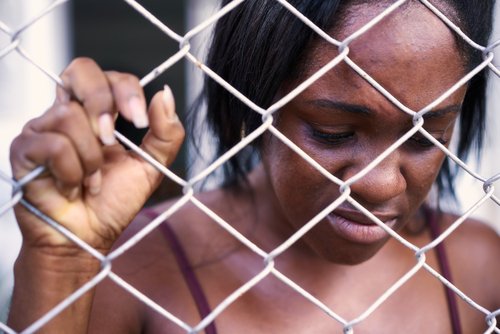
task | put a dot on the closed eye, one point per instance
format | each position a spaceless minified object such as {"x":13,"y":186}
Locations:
{"x":332,"y":138}
{"x":423,"y":142}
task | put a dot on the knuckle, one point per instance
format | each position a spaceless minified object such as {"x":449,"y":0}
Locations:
{"x":126,"y":79}
{"x":81,"y":62}
{"x":32,"y":124}
{"x":30,"y":128}
{"x":63,"y":162}
{"x":179,"y":133}
{"x":75,"y":177}
{"x":63,"y":113}
{"x":76,"y":66}
{"x":59,"y":147}
{"x":98,"y":99}
{"x":93,"y":165}
{"x":92,"y":160}
{"x":16,"y":156}
{"x":178,"y":130}
{"x":172,"y":133}
{"x":17,"y":145}
{"x":101,"y":93}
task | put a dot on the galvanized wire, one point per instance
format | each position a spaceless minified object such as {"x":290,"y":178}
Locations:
{"x":269,"y":259}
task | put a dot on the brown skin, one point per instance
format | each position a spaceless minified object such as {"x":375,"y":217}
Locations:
{"x":285,"y":193}
{"x":84,"y":188}
{"x":416,"y":71}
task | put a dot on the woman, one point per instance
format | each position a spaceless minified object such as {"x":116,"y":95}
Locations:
{"x":189,"y":265}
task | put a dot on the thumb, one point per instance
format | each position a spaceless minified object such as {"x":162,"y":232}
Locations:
{"x":166,"y":132}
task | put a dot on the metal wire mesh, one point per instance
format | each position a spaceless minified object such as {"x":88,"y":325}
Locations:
{"x":268,"y":258}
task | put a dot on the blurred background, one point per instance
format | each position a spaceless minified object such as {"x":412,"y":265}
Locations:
{"x":119,"y":38}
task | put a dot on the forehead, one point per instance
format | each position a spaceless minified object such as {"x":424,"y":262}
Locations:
{"x":411,"y":53}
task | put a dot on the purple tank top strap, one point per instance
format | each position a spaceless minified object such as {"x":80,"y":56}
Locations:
{"x":189,"y":275}
{"x":451,"y":298}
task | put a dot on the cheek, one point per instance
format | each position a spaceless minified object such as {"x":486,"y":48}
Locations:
{"x":289,"y":174}
{"x":421,"y":173}
{"x":300,"y":189}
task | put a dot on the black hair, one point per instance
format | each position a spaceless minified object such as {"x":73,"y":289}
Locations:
{"x":258,"y":46}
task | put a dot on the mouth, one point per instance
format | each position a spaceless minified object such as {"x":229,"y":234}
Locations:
{"x":356,"y":227}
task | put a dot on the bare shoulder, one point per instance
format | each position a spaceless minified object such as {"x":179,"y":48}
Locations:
{"x":474,"y":251}
{"x":148,"y":263}
{"x":143,"y":271}
{"x":473,"y":238}
{"x":188,"y":221}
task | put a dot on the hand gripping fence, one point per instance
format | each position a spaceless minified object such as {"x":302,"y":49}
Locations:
{"x":268,"y":258}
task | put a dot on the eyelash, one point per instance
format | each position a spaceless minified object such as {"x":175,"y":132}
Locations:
{"x":341,"y":138}
{"x":426,"y":143}
{"x":332,"y":138}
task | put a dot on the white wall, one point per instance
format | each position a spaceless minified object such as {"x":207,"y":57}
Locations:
{"x":24,"y":93}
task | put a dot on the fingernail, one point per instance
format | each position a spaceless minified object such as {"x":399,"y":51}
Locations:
{"x":139,"y":115}
{"x":169,"y":102}
{"x":94,"y":183}
{"x":106,"y":129}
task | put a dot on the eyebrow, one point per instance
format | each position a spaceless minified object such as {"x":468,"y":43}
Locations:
{"x":436,"y":113}
{"x":363,"y":110}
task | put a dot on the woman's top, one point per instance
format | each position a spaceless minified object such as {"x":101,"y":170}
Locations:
{"x":203,"y":307}
{"x":431,"y":217}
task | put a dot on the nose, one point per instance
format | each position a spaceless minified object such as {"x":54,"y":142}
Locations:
{"x":381,"y":184}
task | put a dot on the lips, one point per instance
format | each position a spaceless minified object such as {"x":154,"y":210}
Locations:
{"x":356,"y":227}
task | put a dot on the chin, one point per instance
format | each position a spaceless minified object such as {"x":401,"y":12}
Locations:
{"x":352,"y":254}
{"x":349,"y":259}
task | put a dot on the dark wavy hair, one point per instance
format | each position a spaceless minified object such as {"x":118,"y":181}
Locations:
{"x":258,"y":46}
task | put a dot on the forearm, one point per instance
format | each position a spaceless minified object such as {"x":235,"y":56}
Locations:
{"x":42,"y":281}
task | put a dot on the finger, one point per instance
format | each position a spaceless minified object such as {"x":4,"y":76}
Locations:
{"x":70,"y":121}
{"x":85,"y":81}
{"x":129,"y":97}
{"x":52,"y":150}
{"x":166,"y":132}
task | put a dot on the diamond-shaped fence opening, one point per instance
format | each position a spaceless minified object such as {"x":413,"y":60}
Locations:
{"x":267,"y":260}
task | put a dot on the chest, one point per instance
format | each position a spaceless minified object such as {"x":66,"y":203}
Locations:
{"x":319,"y":302}
{"x":274,"y":307}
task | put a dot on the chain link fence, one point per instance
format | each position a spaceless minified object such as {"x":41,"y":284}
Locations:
{"x":268,"y":258}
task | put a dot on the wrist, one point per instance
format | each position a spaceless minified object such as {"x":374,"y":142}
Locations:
{"x":57,"y":261}
{"x":44,"y":278}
